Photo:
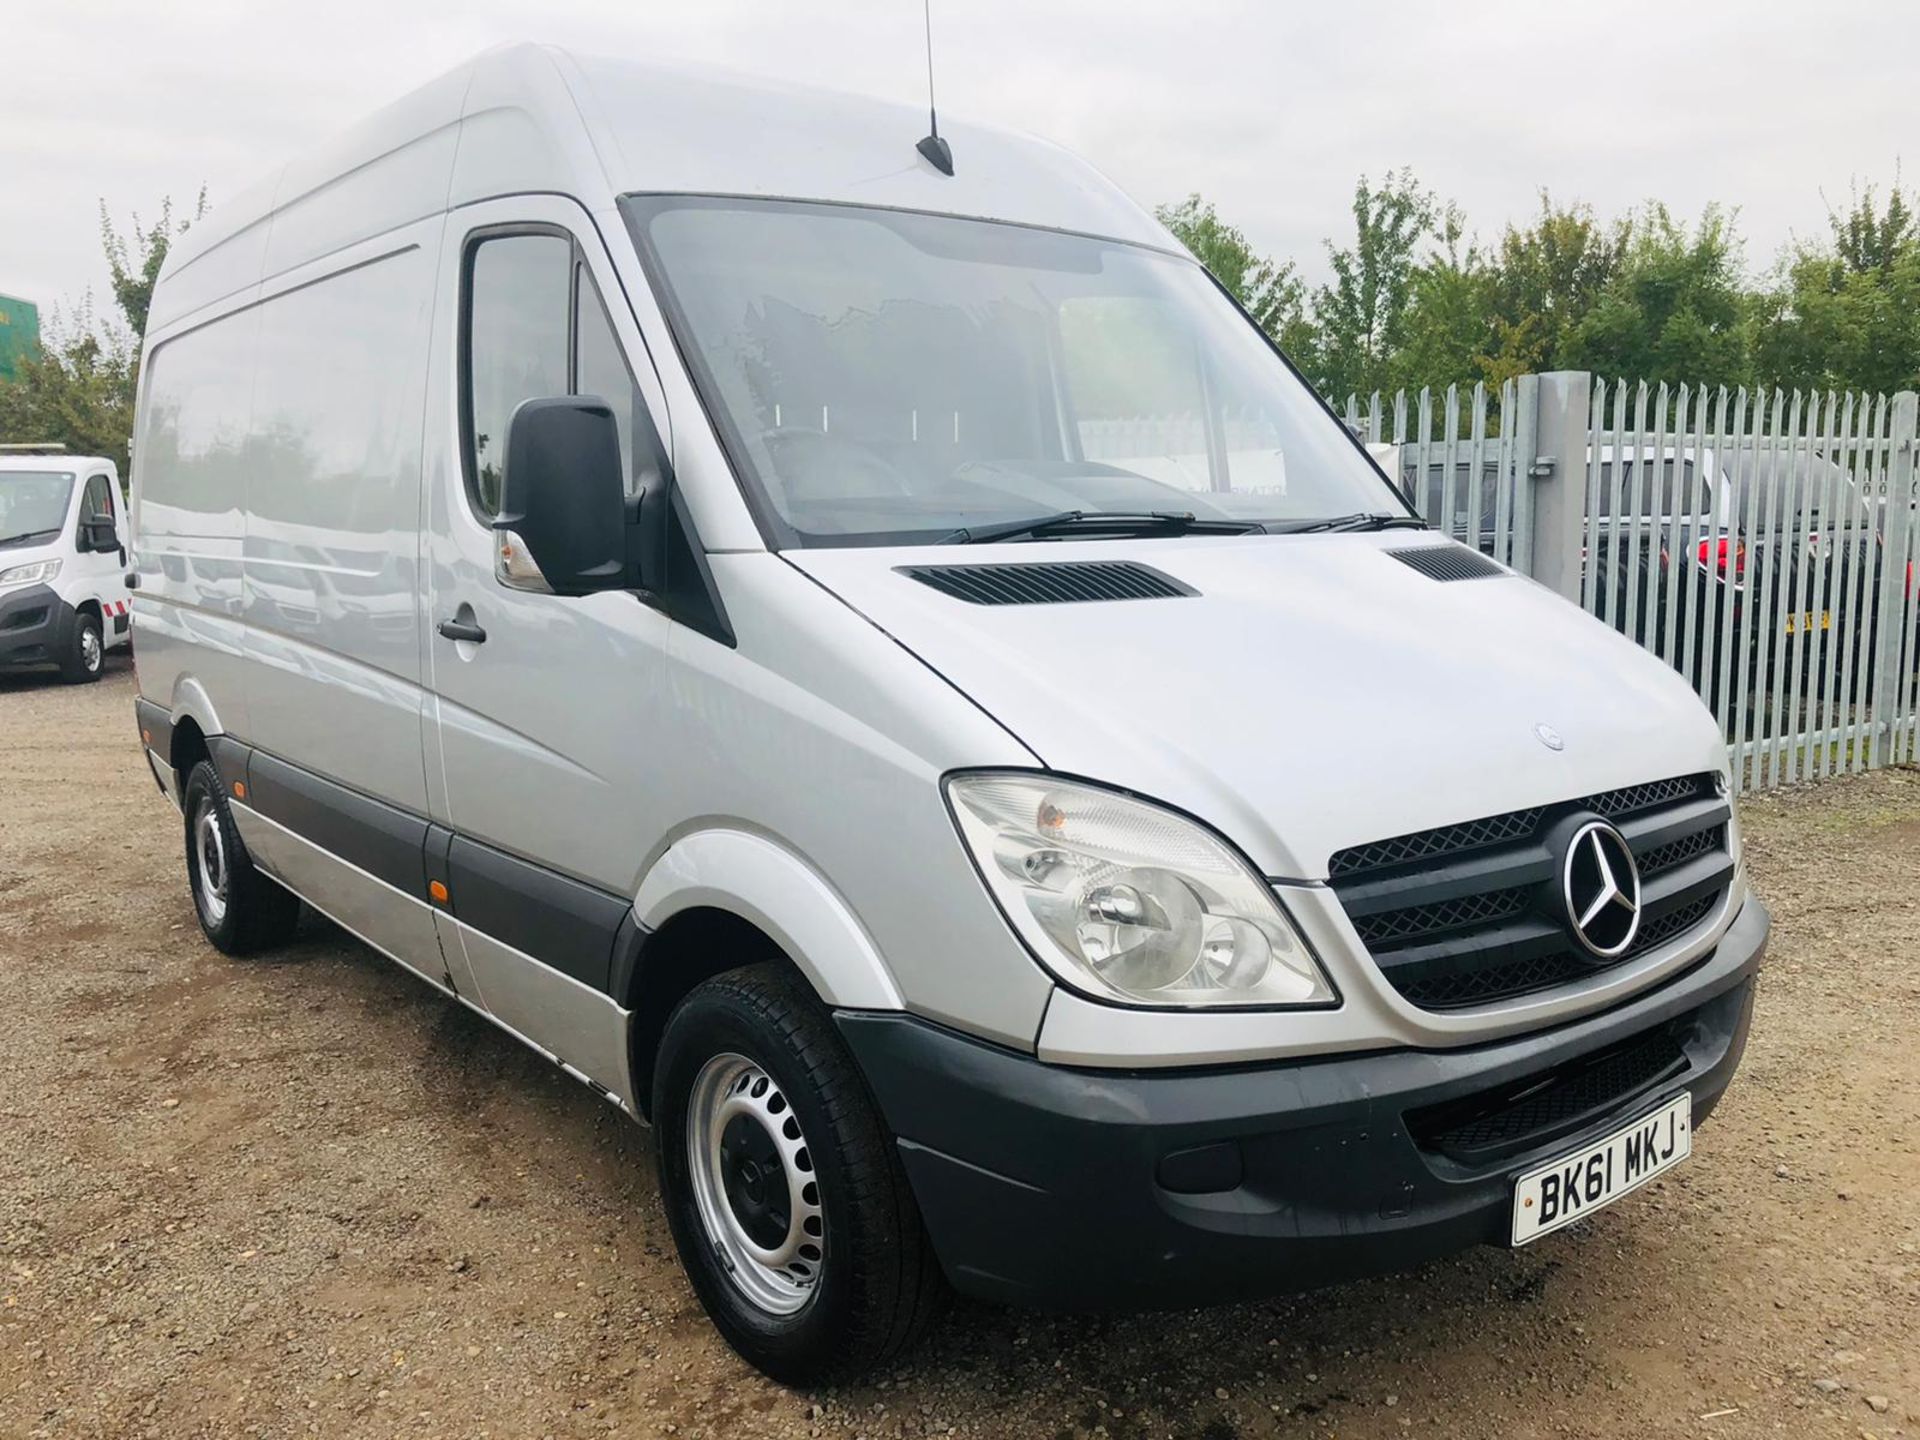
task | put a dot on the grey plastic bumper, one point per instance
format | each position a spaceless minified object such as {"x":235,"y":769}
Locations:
{"x":1078,"y":1189}
{"x":36,"y":627}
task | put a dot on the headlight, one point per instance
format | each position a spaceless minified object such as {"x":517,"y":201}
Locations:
{"x":1130,"y":902}
{"x":38,"y":573}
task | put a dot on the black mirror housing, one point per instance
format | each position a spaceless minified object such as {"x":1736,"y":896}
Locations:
{"x":98,"y":536}
{"x":563,"y":494}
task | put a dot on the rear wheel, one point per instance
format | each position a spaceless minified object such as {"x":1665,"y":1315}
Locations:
{"x":240,"y":909}
{"x":782,"y":1186}
{"x":86,"y":652}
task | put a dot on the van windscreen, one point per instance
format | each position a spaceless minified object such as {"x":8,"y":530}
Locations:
{"x":887,"y":376}
{"x":33,"y":503}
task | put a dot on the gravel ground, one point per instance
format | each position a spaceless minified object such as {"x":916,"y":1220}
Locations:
{"x":303,"y":1196}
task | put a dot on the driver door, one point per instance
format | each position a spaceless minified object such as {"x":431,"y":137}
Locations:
{"x":547,"y":729}
{"x":104,"y":571}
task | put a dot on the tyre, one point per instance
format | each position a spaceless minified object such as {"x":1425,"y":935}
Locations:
{"x":782,"y":1185}
{"x":86,"y":651}
{"x":241,"y":910}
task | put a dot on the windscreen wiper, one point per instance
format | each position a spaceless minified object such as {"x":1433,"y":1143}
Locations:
{"x":27,"y":536}
{"x":1102,"y":522}
{"x":1365,"y":520}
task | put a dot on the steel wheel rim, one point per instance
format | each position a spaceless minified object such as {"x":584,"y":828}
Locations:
{"x":754,"y":1184}
{"x":210,"y":870}
{"x":91,"y":652}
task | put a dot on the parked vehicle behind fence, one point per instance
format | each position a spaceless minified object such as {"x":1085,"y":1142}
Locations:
{"x":1791,"y":526}
{"x":1819,"y":546}
{"x":664,"y":558}
{"x":63,"y":562}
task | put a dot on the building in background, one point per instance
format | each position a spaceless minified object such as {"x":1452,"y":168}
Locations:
{"x":19,"y":334}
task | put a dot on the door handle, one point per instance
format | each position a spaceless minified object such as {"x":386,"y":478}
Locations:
{"x":458,"y":629}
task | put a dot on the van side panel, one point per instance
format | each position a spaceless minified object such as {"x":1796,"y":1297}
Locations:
{"x":332,"y":543}
{"x":340,"y":195}
{"x":213,"y":274}
{"x":398,"y":925}
{"x":189,"y":515}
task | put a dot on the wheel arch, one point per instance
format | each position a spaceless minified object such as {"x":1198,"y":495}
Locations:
{"x":193,"y":716}
{"x":719,"y":900}
{"x":187,"y":748}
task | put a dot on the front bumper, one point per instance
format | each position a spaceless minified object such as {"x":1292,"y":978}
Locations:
{"x":36,"y":627}
{"x":1092,"y":1190}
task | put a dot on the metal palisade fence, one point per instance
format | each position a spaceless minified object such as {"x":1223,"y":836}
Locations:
{"x":1764,"y":543}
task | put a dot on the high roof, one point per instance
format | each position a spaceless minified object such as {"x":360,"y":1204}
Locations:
{"x":536,"y":118}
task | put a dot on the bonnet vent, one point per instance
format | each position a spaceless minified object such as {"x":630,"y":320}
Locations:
{"x":1448,"y":562}
{"x":1053,"y":583}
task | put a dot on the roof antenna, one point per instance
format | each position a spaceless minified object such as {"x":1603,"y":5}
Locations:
{"x":938,"y":153}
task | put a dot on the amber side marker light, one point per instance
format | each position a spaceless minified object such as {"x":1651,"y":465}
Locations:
{"x":437,"y":891}
{"x":239,"y":789}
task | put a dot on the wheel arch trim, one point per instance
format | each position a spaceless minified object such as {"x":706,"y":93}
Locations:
{"x":191,"y":702}
{"x":764,"y":883}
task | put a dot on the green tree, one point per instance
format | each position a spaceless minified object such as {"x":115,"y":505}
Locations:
{"x":1361,"y":314}
{"x":1846,"y":314}
{"x":1272,"y":294}
{"x":1674,"y":308}
{"x":1448,"y":330}
{"x":1413,"y":301}
{"x":79,"y":391}
{"x":1545,"y":280}
{"x":135,"y":266}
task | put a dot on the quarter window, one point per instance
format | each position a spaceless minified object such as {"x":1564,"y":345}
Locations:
{"x":598,"y":367}
{"x":536,"y":328}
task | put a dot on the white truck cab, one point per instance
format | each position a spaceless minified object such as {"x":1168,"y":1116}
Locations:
{"x":859,"y":651}
{"x":63,"y":562}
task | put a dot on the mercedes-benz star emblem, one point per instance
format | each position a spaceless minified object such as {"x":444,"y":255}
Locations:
{"x":1548,"y":736}
{"x":1600,"y":884}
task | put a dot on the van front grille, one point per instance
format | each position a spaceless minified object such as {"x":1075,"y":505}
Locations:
{"x":1390,"y":926}
{"x":1678,"y":852}
{"x":1635,"y":798}
{"x":1448,"y":840}
{"x":1538,"y":1108}
{"x":1473,"y":913}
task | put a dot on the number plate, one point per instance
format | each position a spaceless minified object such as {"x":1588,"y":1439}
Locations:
{"x":1583,"y":1182}
{"x":1805,"y":622}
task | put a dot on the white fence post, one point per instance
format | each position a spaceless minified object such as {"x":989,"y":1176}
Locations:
{"x":1558,"y":466}
{"x":1893,"y":655}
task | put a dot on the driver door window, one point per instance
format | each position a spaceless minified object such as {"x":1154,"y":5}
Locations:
{"x":535,"y":328}
{"x":96,"y":503}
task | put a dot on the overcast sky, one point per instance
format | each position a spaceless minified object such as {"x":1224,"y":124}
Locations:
{"x":1270,"y":109}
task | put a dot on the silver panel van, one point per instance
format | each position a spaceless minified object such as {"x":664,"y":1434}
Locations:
{"x":888,"y":677}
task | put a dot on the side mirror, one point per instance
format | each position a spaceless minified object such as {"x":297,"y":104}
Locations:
{"x":562,"y":526}
{"x":98,"y":536}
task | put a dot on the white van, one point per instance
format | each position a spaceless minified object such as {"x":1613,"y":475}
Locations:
{"x":632,"y":545}
{"x":63,"y":562}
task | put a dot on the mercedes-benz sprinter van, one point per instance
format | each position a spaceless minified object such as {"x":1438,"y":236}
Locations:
{"x":889,"y":677}
{"x":63,"y":562}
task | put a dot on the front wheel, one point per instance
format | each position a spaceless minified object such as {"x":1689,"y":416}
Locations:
{"x":786,"y":1198}
{"x":86,"y":654}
